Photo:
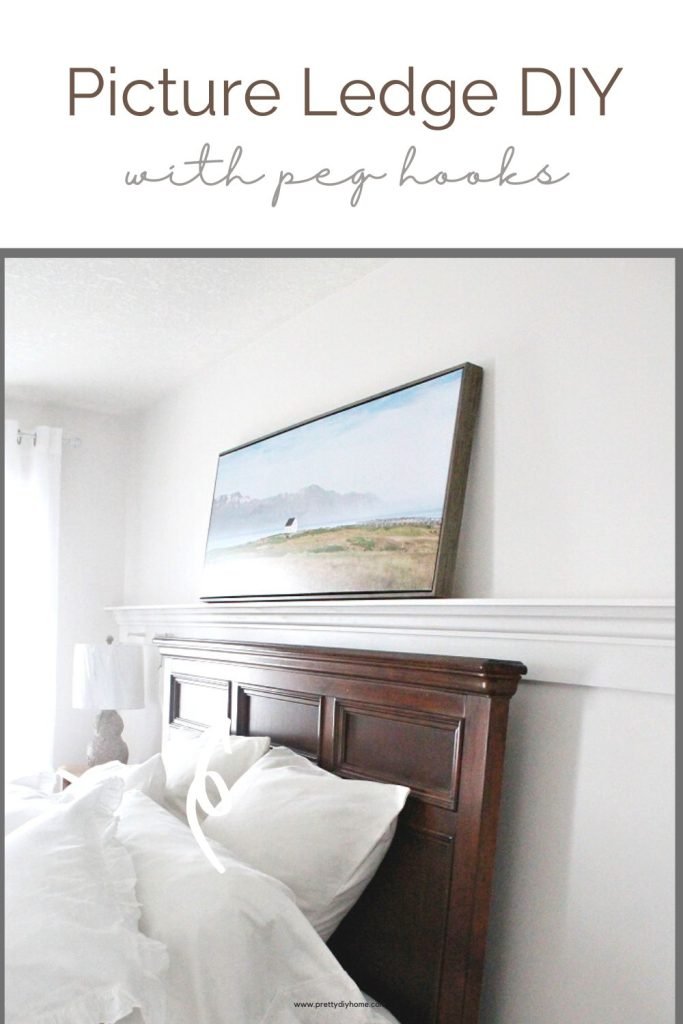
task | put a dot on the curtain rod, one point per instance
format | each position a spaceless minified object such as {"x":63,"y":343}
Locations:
{"x":70,"y":439}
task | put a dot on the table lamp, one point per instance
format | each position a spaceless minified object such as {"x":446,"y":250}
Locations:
{"x":108,"y":676}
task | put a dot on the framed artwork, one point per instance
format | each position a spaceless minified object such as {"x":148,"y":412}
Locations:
{"x":365,"y":501}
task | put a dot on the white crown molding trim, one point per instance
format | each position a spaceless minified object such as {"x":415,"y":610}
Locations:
{"x":614,"y":644}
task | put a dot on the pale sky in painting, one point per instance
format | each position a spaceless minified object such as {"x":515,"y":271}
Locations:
{"x":397,"y":447}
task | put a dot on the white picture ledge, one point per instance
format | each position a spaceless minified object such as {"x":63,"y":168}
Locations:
{"x":615,"y":644}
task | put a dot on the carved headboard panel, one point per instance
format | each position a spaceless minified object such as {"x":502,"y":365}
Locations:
{"x":415,"y":940}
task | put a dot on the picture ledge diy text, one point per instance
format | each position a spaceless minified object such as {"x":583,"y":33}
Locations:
{"x":436,"y":102}
{"x":431,"y":104}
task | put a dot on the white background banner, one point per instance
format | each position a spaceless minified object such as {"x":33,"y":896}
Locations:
{"x":615,"y":176}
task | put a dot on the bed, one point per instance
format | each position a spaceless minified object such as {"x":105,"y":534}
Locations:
{"x":142,"y":930}
{"x":415,"y":939}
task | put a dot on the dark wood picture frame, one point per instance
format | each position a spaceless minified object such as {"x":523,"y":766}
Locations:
{"x":442,"y":582}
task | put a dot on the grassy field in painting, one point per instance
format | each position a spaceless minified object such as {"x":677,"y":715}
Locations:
{"x":387,"y":555}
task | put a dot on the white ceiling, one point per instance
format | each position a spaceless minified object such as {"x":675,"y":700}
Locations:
{"x":113,"y":334}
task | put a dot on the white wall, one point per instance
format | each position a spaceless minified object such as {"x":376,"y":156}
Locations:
{"x":582,"y":921}
{"x":570,"y":496}
{"x":92,"y":520}
{"x":571,"y":488}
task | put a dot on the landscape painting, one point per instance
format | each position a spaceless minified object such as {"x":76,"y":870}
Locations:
{"x":353,"y":503}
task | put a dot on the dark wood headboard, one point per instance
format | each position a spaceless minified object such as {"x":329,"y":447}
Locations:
{"x":415,"y":939}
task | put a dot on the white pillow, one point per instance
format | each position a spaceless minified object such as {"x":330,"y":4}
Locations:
{"x":230,"y":757}
{"x":239,"y":948}
{"x":322,"y":836}
{"x":149,"y":777}
{"x":74,"y":954}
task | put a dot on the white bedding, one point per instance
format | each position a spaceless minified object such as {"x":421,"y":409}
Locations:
{"x":74,"y":953}
{"x":239,"y":949}
{"x":22,"y":803}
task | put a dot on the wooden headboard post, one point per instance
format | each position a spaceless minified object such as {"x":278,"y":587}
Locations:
{"x":415,"y":940}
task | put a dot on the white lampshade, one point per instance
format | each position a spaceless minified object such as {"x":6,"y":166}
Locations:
{"x":108,"y":676}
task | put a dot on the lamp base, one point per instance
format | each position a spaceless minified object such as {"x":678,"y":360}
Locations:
{"x":107,"y":743}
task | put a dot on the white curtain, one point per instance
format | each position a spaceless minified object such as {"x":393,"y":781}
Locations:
{"x":32,"y":491}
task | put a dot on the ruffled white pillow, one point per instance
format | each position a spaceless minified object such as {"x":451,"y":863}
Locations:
{"x":149,"y":777}
{"x":73,"y":951}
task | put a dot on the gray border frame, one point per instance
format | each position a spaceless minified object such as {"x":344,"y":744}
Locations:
{"x":429,"y":253}
{"x":435,"y":252}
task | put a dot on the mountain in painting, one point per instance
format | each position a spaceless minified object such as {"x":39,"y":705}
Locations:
{"x":312,"y":506}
